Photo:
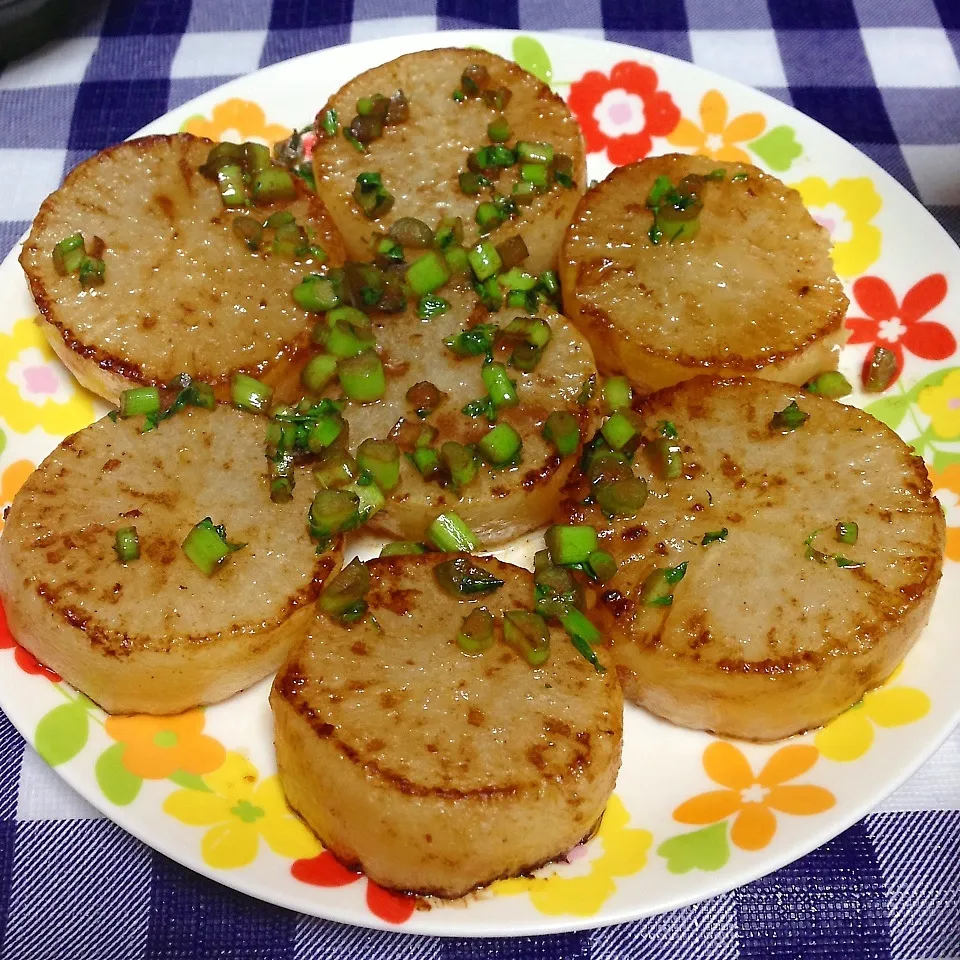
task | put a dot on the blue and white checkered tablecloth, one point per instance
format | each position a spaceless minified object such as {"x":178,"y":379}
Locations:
{"x":884,"y":74}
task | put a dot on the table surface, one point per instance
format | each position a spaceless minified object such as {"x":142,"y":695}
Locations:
{"x":884,"y":74}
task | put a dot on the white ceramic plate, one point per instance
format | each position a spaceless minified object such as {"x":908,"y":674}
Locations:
{"x":201,"y":789}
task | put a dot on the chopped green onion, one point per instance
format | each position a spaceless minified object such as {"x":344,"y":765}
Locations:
{"x":488,"y":216}
{"x":562,"y":170}
{"x":501,"y":445}
{"x":471,"y":182}
{"x":68,"y":254}
{"x":250,"y":394}
{"x":623,"y":497}
{"x":714,"y":536}
{"x":362,"y":377}
{"x":460,"y":462}
{"x":532,"y":330}
{"x":370,"y":498}
{"x":516,"y":279}
{"x":476,"y":632}
{"x":328,"y":123}
{"x":490,"y":294}
{"x":570,"y":544}
{"x":318,"y":372}
{"x":127,"y":544}
{"x":587,"y":390}
{"x":349,"y":332}
{"x":526,"y":632}
{"x":324,"y":432}
{"x":619,"y":429}
{"x":345,"y":596}
{"x":333,"y":512}
{"x":601,"y":566}
{"x":556,"y":590}
{"x":879,"y":370}
{"x":832,"y":384}
{"x":336,"y":470}
{"x":563,"y":431}
{"x":457,"y":259}
{"x":389,"y":248}
{"x":256,"y":156}
{"x":145,"y":400}
{"x":428,"y":273}
{"x":616,"y":393}
{"x":381,"y":459}
{"x":666,"y":456}
{"x":844,"y":563}
{"x":789,"y":418}
{"x":290,"y":241}
{"x":461,"y":577}
{"x":432,"y":306}
{"x":273,"y":184}
{"x":523,"y":193}
{"x":498,"y":130}
{"x":502,"y":390}
{"x":411,"y":232}
{"x":484,"y":260}
{"x":550,"y":283}
{"x":449,"y":533}
{"x":233,"y":188}
{"x":530,"y":152}
{"x":206,"y":546}
{"x":473,"y":341}
{"x":371,"y":195}
{"x":535,"y":173}
{"x":91,"y":272}
{"x":738,"y":177}
{"x":583,"y":634}
{"x":403,"y":548}
{"x":847,"y":532}
{"x":657,"y":590}
{"x":317,"y":293}
{"x":249,"y":230}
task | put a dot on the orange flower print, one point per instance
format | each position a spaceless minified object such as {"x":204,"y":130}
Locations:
{"x":946,"y":485}
{"x":236,"y":120}
{"x":11,"y":480}
{"x":718,"y":135}
{"x":157,"y":747}
{"x":751,"y":798}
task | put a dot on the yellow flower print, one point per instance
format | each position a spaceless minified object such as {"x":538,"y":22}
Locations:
{"x":846,"y":208}
{"x":11,"y":480}
{"x":35,"y":388}
{"x":850,"y":736}
{"x":624,"y":853}
{"x":236,"y":120}
{"x":942,"y":405}
{"x":240,"y":813}
{"x":717,"y":136}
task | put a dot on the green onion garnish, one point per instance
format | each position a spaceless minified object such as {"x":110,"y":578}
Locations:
{"x":714,"y":536}
{"x":139,"y":400}
{"x":473,"y":341}
{"x":616,"y":393}
{"x":428,"y":273}
{"x":371,"y":196}
{"x":457,"y":260}
{"x":403,"y":548}
{"x":249,"y":230}
{"x":461,"y":577}
{"x":431,"y":306}
{"x":427,"y":462}
{"x":536,"y":174}
{"x":502,"y":390}
{"x":879,"y":370}
{"x":317,"y":293}
{"x":529,"y":152}
{"x":657,"y":589}
{"x":345,"y":596}
{"x":498,"y":130}
{"x":273,"y":184}
{"x":328,"y":122}
{"x":381,"y":459}
{"x":666,"y":455}
{"x":333,"y":512}
{"x":206,"y":546}
{"x":484,"y":260}
{"x":324,"y":432}
{"x":459,"y":462}
{"x":318,"y":372}
{"x":476,"y":632}
{"x":362,"y":377}
{"x":68,"y":254}
{"x":600,"y":566}
{"x":491,"y":296}
{"x":472,"y":182}
{"x":127,"y":544}
{"x":488,"y":216}
{"x":623,"y":497}
{"x":449,"y":533}
{"x":562,"y":430}
{"x":527,"y":633}
{"x":847,"y":531}
{"x":789,"y":418}
{"x":349,"y":332}
{"x":583,"y":634}
{"x":570,"y":544}
{"x":830,"y":384}
{"x":250,"y":394}
{"x":619,"y":429}
{"x":91,"y":272}
{"x":501,"y":445}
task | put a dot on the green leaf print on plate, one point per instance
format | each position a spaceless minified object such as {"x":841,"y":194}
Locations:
{"x":777,"y":148}
{"x":62,"y":733}
{"x":705,"y":849}
{"x":530,"y":54}
{"x":118,"y":784}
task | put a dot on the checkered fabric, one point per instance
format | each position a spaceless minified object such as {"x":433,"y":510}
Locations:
{"x":884,"y":74}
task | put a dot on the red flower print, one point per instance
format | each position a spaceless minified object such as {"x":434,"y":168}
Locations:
{"x":622,"y":112}
{"x":899,"y":327}
{"x":326,"y":871}
{"x":25,"y":660}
